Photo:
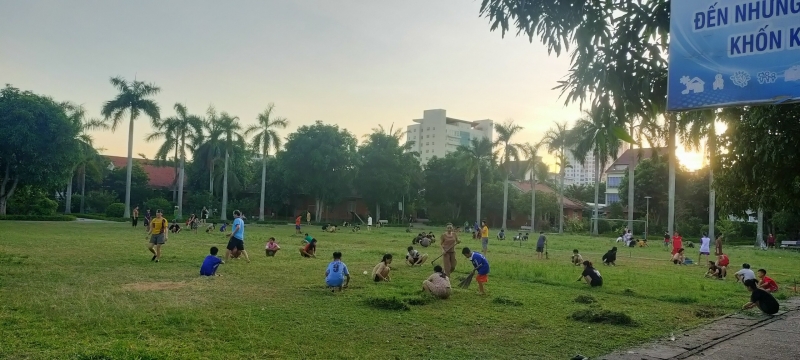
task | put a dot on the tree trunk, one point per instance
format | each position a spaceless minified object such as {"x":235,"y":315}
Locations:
{"x":127,"y":212}
{"x":181,"y":174}
{"x":318,"y":210}
{"x":561,"y":204}
{"x":478,"y":212}
{"x":760,"y":229}
{"x":5,"y":194}
{"x":263,"y":185}
{"x":83,"y":189}
{"x":505,"y":201}
{"x":377,"y":213}
{"x":712,"y":195}
{"x":595,"y":228}
{"x":224,"y":212}
{"x":672,"y":166}
{"x":211,"y":180}
{"x":533,"y":203}
{"x":631,"y":176}
{"x":68,"y":202}
{"x":175,"y":182}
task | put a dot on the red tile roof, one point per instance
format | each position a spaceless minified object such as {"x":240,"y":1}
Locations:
{"x":160,"y":176}
{"x":630,"y":155}
{"x":525,"y":187}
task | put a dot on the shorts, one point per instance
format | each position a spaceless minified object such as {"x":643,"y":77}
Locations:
{"x":376,"y":278}
{"x":705,"y":253}
{"x":485,"y":242}
{"x":235,"y":243}
{"x":205,"y":217}
{"x":540,"y":249}
{"x":297,"y":227}
{"x":270,"y":252}
{"x":596,"y":282}
{"x":334,"y":283}
{"x":482,"y":279}
{"x":157,"y":239}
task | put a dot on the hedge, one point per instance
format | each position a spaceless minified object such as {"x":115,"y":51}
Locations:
{"x":103,"y":217}
{"x":37,"y":217}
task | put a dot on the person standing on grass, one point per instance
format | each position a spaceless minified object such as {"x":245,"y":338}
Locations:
{"x":666,"y":239}
{"x":448,"y":244}
{"x":158,"y":235}
{"x":484,"y":237}
{"x":765,"y":282}
{"x":381,"y":271}
{"x":236,"y":242}
{"x":297,"y":222}
{"x":718,"y":245}
{"x":481,"y":267}
{"x":677,"y":243}
{"x":211,"y":263}
{"x":771,"y":241}
{"x":540,"y":245}
{"x":135,"y":216}
{"x":369,"y":222}
{"x":337,"y":277}
{"x":204,"y":215}
{"x":590,"y":275}
{"x":758,"y":297}
{"x":147,"y":219}
{"x":705,"y":248}
{"x":308,"y":217}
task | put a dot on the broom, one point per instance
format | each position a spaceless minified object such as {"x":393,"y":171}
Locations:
{"x":467,"y":280}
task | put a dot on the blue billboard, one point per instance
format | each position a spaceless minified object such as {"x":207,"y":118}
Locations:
{"x":733,"y":52}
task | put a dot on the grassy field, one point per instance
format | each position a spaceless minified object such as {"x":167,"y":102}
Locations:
{"x":89,"y":291}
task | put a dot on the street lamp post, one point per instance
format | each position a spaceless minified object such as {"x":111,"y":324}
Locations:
{"x":647,"y":216}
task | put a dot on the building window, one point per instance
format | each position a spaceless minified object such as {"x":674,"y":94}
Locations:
{"x":431,"y":143}
{"x":434,"y":135}
{"x":613,"y":182}
{"x":428,"y":128}
{"x":427,"y":136}
{"x":612,"y":198}
{"x":426,"y":143}
{"x":426,"y":151}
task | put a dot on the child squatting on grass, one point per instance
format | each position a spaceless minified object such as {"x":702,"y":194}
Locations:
{"x":577,"y":259}
{"x":272,"y":247}
{"x":337,"y":277}
{"x":309,"y":250}
{"x":414,"y":257}
{"x":610,"y":258}
{"x":438,"y":284}
{"x":678,"y":258}
{"x":590,"y":275}
{"x":211,"y":263}
{"x":481,"y":267}
{"x":766,"y":283}
{"x":381,"y":271}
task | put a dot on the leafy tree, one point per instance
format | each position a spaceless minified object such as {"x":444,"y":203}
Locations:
{"x":508,"y":152}
{"x":584,"y":193}
{"x":320,"y":161}
{"x":115,"y":182}
{"x":208,"y":146}
{"x":231,"y":130}
{"x":557,"y":140}
{"x":446,"y":191}
{"x":697,"y":126}
{"x":531,"y":152}
{"x":266,"y":137}
{"x":133,"y":100}
{"x":37,"y":143}
{"x":385,"y":168}
{"x":475,"y":158}
{"x":88,"y":154}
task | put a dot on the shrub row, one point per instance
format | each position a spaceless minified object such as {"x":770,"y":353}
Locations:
{"x":103,"y":217}
{"x":37,"y":217}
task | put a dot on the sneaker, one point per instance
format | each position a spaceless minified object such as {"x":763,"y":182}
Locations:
{"x":154,"y":258}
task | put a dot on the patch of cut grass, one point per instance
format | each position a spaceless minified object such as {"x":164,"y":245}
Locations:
{"x":503,"y":300}
{"x":602,"y":316}
{"x":391,"y":303}
{"x":585,"y":299}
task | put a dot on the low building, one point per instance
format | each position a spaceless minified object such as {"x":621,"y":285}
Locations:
{"x":572,"y":208}
{"x":160,"y":177}
{"x":616,"y":172}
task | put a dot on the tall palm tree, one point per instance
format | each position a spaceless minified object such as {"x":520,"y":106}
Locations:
{"x":266,"y":137}
{"x":557,"y":140}
{"x":209,"y":144}
{"x":474,"y":157}
{"x":597,"y":132}
{"x":166,"y":129}
{"x":531,"y":152}
{"x":693,"y":127}
{"x":507,"y":152}
{"x":231,"y":134}
{"x":77,"y":116}
{"x":133,"y":99}
{"x":176,"y":130}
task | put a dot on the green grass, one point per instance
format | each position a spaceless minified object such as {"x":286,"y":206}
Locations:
{"x":89,"y":291}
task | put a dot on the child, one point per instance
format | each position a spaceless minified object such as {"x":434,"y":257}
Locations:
{"x":425,"y":241}
{"x":297,"y":222}
{"x":481,"y":266}
{"x":610,"y":258}
{"x":336,"y":273}
{"x":766,"y":283}
{"x":211,"y":263}
{"x":211,"y":227}
{"x":414,"y":257}
{"x":705,"y":247}
{"x":540,"y":245}
{"x":307,"y":239}
{"x":501,"y":235}
{"x":760,"y":298}
{"x":591,"y":275}
{"x":175,"y":228}
{"x":722,"y":264}
{"x":272,"y":247}
{"x":745,"y":273}
{"x":713,"y":271}
{"x":677,"y":243}
{"x":678,"y":258}
{"x":381,"y":271}
{"x":577,"y":259}
{"x":666,"y":239}
{"x":642,"y":242}
{"x":525,"y":237}
{"x":438,"y":284}
{"x":484,"y":237}
{"x":223,"y":227}
{"x":310,"y":250}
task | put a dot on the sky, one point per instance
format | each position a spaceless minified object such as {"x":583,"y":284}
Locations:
{"x":356,"y":64}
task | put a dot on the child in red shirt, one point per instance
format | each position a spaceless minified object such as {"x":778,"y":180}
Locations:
{"x":766,"y":282}
{"x":677,"y":243}
{"x":722,"y":263}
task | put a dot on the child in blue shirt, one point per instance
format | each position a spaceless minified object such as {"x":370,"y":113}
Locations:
{"x":336,"y":273}
{"x":211,"y":263}
{"x":481,"y":266}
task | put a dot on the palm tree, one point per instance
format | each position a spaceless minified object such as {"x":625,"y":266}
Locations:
{"x":596,"y":132}
{"x":531,"y":153}
{"x":266,"y":137}
{"x":176,"y":130}
{"x":557,"y":139}
{"x":133,"y":99}
{"x":77,"y":116}
{"x":508,"y":152}
{"x":230,"y":127}
{"x":693,"y":127}
{"x":475,"y":156}
{"x":208,"y":144}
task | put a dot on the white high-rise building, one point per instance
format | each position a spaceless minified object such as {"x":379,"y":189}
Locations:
{"x":437,"y":135}
{"x":577,"y":174}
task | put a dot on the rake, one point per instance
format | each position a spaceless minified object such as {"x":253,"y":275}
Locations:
{"x":467,"y":280}
{"x":442,"y":254}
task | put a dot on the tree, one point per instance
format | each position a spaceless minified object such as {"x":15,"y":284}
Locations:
{"x":508,"y":152}
{"x":531,"y":152}
{"x":77,"y":116}
{"x":474,"y":158}
{"x":694,"y":127}
{"x":209,"y":145}
{"x":320,"y":161}
{"x":230,"y":127}
{"x":385,"y":168}
{"x":133,"y":100}
{"x":557,"y":139}
{"x":115,"y":182}
{"x":446,"y":192}
{"x":265,"y":136}
{"x":37,"y":143}
{"x":175,"y":131}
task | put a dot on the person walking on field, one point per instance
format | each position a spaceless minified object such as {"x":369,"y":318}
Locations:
{"x":158,"y":235}
{"x":448,"y":243}
{"x":705,"y":248}
{"x":236,"y":242}
{"x":484,"y":237}
{"x":135,"y":216}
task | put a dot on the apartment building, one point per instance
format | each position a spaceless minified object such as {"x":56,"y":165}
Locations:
{"x":437,"y":135}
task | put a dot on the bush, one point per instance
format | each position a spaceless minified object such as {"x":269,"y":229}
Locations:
{"x":28,"y":200}
{"x":576,"y":226}
{"x":158,"y":204}
{"x":602,"y":316}
{"x":103,"y":217}
{"x":98,"y":201}
{"x":115,"y":210}
{"x":195,"y":202}
{"x":37,"y":218}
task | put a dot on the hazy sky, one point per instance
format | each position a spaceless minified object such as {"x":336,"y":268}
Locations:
{"x":352,"y":63}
